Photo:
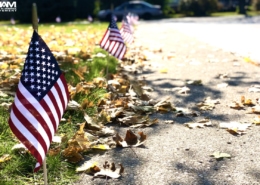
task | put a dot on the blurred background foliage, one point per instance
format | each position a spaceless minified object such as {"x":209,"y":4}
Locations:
{"x":71,"y":10}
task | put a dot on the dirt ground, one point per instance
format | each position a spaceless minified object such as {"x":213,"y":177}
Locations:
{"x":174,"y":154}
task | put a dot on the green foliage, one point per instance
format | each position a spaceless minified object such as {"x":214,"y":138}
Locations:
{"x":198,"y":7}
{"x":98,"y":65}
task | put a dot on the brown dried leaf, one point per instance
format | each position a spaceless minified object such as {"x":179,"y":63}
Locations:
{"x":236,"y":105}
{"x":130,"y":140}
{"x":247,"y":102}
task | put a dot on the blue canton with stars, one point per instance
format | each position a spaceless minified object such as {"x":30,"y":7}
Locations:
{"x":41,"y":70}
{"x":113,"y":22}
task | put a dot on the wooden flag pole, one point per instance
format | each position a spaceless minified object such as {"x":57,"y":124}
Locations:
{"x":45,"y":172}
{"x":35,"y":27}
{"x":34,"y":17}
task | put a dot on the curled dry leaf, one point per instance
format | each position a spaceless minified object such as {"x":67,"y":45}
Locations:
{"x":130,"y":140}
{"x":185,"y":112}
{"x":236,"y":105}
{"x":88,"y":167}
{"x":220,"y":155}
{"x":208,"y":104}
{"x":254,"y":110}
{"x":200,"y":124}
{"x":110,"y":170}
{"x":247,"y":102}
{"x":73,"y":105}
{"x":78,"y":143}
{"x":235,"y":128}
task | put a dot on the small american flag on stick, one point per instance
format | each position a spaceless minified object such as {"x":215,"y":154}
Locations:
{"x":112,"y":40}
{"x":126,"y":32}
{"x":40,"y":101}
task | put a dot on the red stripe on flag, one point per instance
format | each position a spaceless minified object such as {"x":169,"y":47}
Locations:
{"x":26,"y":143}
{"x":36,"y":114}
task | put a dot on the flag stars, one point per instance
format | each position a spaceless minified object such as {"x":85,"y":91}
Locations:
{"x":38,"y":68}
{"x":32,"y":80}
{"x":32,"y":73}
{"x":43,"y":56}
{"x":38,"y":81}
{"x":44,"y":69}
{"x":43,"y":63}
{"x":36,"y":49}
{"x":38,"y":87}
{"x":43,"y":50}
{"x":37,"y":56}
{"x":44,"y":88}
{"x":39,"y":93}
{"x":26,"y":79}
{"x":31,"y":68}
{"x":38,"y":62}
{"x":32,"y":87}
{"x":48,"y":57}
{"x":36,"y":42}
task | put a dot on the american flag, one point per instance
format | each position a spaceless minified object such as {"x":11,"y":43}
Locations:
{"x":126,"y":32}
{"x":112,"y":41}
{"x":40,"y":101}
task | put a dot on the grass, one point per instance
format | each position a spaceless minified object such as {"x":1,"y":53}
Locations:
{"x":19,"y":169}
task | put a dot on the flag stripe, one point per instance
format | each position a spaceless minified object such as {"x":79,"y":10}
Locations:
{"x":34,"y":105}
{"x":33,"y":117}
{"x":26,"y":138}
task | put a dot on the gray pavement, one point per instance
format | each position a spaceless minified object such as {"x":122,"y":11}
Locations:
{"x":173,"y":153}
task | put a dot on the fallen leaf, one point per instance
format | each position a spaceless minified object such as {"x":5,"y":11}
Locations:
{"x":247,"y":102}
{"x":254,"y":110}
{"x":163,"y":70}
{"x":222,"y":85}
{"x":110,"y":171}
{"x":208,"y":104}
{"x":220,"y":155}
{"x":88,"y":167}
{"x":256,"y":120}
{"x":194,"y":82}
{"x":235,"y":128}
{"x":236,"y":105}
{"x":130,"y":140}
{"x":199,"y":124}
{"x":5,"y":157}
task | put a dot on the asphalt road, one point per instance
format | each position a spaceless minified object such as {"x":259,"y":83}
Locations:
{"x":174,"y":154}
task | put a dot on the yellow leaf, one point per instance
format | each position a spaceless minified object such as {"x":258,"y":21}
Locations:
{"x":4,"y":66}
{"x":101,"y":147}
{"x":4,"y":158}
{"x":163,"y":70}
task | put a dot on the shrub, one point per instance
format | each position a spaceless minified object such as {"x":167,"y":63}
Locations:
{"x":198,"y":7}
